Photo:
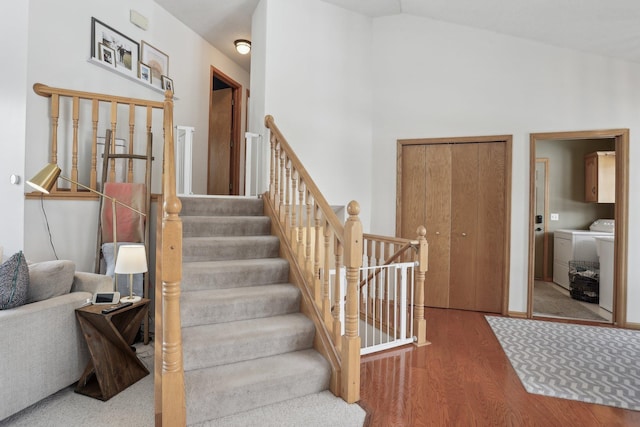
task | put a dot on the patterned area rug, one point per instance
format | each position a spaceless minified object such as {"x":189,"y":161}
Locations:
{"x":586,"y":363}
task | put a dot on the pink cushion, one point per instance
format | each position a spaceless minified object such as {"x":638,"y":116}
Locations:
{"x":129,"y":224}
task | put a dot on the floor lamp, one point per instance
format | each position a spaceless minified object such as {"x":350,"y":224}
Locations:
{"x":44,"y":181}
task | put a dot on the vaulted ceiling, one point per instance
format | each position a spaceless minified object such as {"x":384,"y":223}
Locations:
{"x":610,"y":28}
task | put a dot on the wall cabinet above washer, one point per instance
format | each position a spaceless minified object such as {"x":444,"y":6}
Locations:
{"x":600,"y":177}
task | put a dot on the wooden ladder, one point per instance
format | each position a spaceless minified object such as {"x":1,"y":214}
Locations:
{"x":109,"y":154}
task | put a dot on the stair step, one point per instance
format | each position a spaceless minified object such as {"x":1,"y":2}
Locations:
{"x":221,"y":206}
{"x":224,"y":390}
{"x":197,"y":276}
{"x":229,"y":305}
{"x":206,"y":226}
{"x":224,"y":343}
{"x":227,"y":248}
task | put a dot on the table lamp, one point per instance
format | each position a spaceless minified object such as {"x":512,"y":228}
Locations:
{"x":44,"y":181}
{"x":132,"y":259}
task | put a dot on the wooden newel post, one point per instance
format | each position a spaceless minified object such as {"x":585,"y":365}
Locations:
{"x":351,"y":341}
{"x":173,"y":395}
{"x":420,"y":323}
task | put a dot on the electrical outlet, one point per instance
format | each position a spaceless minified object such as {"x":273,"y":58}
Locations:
{"x":555,"y":217}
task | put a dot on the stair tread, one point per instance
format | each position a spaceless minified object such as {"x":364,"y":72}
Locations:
{"x":240,"y":239}
{"x":247,"y":291}
{"x":231,"y":263}
{"x":229,"y":247}
{"x":223,"y":343}
{"x":221,"y":206}
{"x":232,"y":304}
{"x":215,"y":392}
{"x":225,"y":218}
{"x":221,"y":274}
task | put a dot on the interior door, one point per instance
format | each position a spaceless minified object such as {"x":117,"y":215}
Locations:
{"x":220,"y":137}
{"x":458,"y":190}
{"x":438,"y":223}
{"x":464,"y":223}
{"x":491,"y":237}
{"x":539,"y":223}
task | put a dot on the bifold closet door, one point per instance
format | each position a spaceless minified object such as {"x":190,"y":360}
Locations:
{"x":438,"y":163}
{"x":491,"y":242}
{"x":426,"y":199}
{"x":477,"y":234}
{"x":457,"y":192}
{"x":464,"y":224}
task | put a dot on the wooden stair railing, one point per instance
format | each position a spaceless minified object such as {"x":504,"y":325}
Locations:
{"x":316,"y":242}
{"x":170,"y":408}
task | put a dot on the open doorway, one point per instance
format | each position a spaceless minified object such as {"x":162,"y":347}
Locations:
{"x":563,"y":218}
{"x":223,"y":165}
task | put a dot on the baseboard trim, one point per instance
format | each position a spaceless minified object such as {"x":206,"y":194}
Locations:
{"x":630,"y":325}
{"x":519,"y":314}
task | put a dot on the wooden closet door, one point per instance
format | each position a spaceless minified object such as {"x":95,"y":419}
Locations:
{"x":438,"y":223}
{"x":491,"y":239}
{"x":426,"y":200}
{"x":414,"y":190}
{"x":464,"y":224}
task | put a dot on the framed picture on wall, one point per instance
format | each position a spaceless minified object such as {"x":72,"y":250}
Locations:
{"x":157,"y":60}
{"x":144,"y":72}
{"x":126,"y":51}
{"x":107,"y":55}
{"x":167,"y":84}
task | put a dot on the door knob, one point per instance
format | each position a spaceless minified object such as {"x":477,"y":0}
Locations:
{"x":464,"y":234}
{"x":437,"y":233}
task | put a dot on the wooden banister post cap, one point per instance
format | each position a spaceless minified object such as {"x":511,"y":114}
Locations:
{"x":268,"y":119}
{"x":173,"y":205}
{"x":422,"y":231}
{"x":353,"y":208}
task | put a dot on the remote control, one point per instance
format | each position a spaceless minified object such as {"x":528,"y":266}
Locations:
{"x":116,"y":307}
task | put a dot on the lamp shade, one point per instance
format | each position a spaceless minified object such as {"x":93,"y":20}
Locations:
{"x":243,"y":46}
{"x":45,"y":179}
{"x":132,"y":259}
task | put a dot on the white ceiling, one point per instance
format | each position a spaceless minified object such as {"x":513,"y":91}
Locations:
{"x":605,"y":27}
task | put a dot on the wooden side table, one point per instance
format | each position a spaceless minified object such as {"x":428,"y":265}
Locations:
{"x":113,"y":366}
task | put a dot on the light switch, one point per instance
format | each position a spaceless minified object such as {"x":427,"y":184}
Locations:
{"x":555,"y":217}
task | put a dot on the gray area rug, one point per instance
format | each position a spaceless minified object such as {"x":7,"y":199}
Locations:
{"x":547,"y":300}
{"x":587,"y":363}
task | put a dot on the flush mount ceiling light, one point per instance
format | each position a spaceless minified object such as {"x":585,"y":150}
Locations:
{"x":242,"y":46}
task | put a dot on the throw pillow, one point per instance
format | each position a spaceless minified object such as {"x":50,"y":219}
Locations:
{"x":14,"y":281}
{"x":50,"y":279}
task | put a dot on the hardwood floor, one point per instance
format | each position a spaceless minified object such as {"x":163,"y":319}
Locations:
{"x":464,"y":379}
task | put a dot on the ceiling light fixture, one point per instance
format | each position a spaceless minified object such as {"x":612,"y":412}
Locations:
{"x":242,"y":46}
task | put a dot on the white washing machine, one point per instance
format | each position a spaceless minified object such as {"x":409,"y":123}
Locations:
{"x":577,"y":245}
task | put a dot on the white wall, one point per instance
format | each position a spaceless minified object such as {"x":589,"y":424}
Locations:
{"x":59,"y":40}
{"x":434,"y":79}
{"x":318,"y":88}
{"x":14,"y":18}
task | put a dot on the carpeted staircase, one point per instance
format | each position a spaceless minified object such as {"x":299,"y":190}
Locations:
{"x":245,"y":342}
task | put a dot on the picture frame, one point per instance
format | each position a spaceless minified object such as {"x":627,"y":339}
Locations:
{"x":107,"y":55}
{"x":126,"y":52}
{"x":167,"y":84}
{"x":157,"y":60}
{"x":144,"y":72}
